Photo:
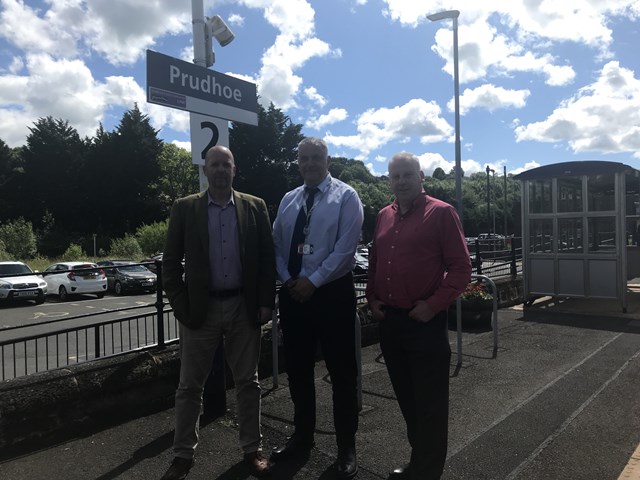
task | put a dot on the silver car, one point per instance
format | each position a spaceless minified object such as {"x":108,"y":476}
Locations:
{"x":25,"y":285}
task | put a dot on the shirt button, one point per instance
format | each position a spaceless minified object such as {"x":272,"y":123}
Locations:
{"x":393,"y":246}
{"x":389,"y":279}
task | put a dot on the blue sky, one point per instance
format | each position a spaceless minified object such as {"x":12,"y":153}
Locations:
{"x":540,"y":81}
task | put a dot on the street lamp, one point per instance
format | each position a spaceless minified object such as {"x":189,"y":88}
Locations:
{"x":488,"y":201}
{"x":453,"y":14}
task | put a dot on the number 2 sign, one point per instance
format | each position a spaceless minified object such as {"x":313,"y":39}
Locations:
{"x":206,"y":132}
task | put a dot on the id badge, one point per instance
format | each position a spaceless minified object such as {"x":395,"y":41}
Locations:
{"x":305,"y":249}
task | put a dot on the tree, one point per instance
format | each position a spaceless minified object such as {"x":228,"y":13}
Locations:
{"x":265,"y":155}
{"x":127,"y":164}
{"x":439,"y":174}
{"x":178,"y":176}
{"x":53,"y":159}
{"x":11,"y":171}
{"x":18,"y":238}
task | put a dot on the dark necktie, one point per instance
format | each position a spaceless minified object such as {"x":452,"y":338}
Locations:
{"x":295,"y":258}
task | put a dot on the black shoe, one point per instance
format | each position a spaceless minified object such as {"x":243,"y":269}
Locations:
{"x":295,"y":446}
{"x":400,"y":473}
{"x":179,"y":469}
{"x":347,"y":464}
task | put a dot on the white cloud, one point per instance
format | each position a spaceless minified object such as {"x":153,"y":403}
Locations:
{"x":527,"y":166}
{"x":185,"y":145}
{"x":16,"y":65}
{"x":602,"y":117}
{"x":376,"y":128}
{"x":236,"y":20}
{"x":313,"y":95}
{"x":491,"y":98}
{"x":335,"y":115}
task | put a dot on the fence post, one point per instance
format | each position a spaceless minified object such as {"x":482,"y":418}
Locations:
{"x":478,"y":258}
{"x":514,"y":269}
{"x":159,"y":304}
{"x":96,"y":342}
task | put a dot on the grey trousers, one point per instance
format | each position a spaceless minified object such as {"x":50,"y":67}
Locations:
{"x":226,"y":318}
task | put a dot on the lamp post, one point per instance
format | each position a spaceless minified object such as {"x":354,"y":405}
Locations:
{"x":453,"y":14}
{"x":504,"y":208}
{"x":488,"y":201}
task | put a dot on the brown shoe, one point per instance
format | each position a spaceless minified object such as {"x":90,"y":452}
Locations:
{"x":258,"y":463}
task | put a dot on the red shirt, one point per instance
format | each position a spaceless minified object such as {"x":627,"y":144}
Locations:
{"x":421,"y":255}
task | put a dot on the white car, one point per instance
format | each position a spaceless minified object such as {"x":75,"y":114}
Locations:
{"x":74,"y":278}
{"x":25,"y":286}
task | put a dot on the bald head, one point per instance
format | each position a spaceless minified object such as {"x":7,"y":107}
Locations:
{"x":219,"y":168}
{"x":406,"y":178}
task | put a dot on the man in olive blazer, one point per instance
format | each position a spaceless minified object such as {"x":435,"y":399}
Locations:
{"x":226,"y":289}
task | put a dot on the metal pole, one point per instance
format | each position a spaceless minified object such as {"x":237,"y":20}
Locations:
{"x":504,"y":209}
{"x":488,"y":201}
{"x":495,"y":201}
{"x":456,"y":98}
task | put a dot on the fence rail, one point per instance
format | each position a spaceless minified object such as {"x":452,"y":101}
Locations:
{"x":59,"y":348}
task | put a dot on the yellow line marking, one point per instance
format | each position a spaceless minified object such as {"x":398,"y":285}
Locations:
{"x":632,"y":470}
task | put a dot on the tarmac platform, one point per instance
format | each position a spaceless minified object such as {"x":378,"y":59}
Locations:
{"x":561,"y":400}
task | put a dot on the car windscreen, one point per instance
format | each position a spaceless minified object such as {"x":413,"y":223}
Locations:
{"x":14,"y":270}
{"x":133,"y":268}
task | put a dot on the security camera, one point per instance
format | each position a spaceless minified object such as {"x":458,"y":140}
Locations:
{"x":217,"y":28}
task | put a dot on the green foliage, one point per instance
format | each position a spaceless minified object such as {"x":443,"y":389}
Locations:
{"x":73,"y":253}
{"x":18,"y":238}
{"x":439,"y":174}
{"x":151,"y":237}
{"x":178,"y":176}
{"x":126,"y":247}
{"x":4,"y":255}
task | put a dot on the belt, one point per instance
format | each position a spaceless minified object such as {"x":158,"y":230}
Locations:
{"x":391,"y":308}
{"x":232,"y":292}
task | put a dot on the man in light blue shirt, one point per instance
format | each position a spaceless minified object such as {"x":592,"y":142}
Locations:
{"x":316,"y":233}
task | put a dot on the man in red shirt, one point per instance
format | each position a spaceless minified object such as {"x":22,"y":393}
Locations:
{"x":418,"y":264}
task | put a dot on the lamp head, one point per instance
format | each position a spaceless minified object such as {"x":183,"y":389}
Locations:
{"x":442,"y":15}
{"x":218,"y":29}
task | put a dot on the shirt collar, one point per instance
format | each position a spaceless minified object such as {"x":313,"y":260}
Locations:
{"x":210,"y":200}
{"x":420,"y":201}
{"x":322,"y":186}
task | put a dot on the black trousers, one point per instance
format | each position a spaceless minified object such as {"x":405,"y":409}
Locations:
{"x":328,"y":318}
{"x":418,"y":356}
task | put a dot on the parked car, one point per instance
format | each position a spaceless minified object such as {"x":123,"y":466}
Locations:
{"x":152,"y":258}
{"x":77,"y":280}
{"x":362,"y":265}
{"x":127,"y":276}
{"x":26,"y":286}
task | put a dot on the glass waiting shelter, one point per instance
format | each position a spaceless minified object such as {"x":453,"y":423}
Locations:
{"x":580,"y":229}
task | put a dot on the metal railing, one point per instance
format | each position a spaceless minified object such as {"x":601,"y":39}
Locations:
{"x":496,"y":258}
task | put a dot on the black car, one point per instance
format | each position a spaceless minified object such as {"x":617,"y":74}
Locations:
{"x":127,"y":276}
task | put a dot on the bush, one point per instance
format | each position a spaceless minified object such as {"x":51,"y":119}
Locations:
{"x":73,"y":252}
{"x":4,"y":256}
{"x":151,"y":237}
{"x":18,"y":239}
{"x":126,"y":248}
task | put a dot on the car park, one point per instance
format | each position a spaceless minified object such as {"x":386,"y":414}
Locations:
{"x":151,"y":260}
{"x":70,"y":278}
{"x":23,"y":284}
{"x":126,"y":276}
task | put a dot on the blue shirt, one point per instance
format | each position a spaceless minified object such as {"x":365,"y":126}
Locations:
{"x":334,"y":226}
{"x":225,"y":269}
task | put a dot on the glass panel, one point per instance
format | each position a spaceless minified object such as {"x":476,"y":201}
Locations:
{"x":632,"y":181}
{"x":540,"y":240}
{"x":602,"y":235}
{"x":601,"y":192}
{"x":570,"y":194}
{"x":633,"y":231}
{"x":570,"y":235}
{"x":540,"y":196}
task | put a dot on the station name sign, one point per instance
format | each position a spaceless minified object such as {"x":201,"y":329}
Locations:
{"x":178,"y":84}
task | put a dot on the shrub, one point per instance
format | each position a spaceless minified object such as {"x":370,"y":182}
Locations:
{"x":151,"y":237}
{"x":126,"y":248}
{"x":18,"y":238}
{"x":4,"y":256}
{"x":73,"y":252}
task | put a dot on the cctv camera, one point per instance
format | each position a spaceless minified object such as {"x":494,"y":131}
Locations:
{"x":217,"y":28}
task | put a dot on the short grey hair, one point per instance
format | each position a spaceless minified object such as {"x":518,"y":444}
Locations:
{"x":406,"y":157}
{"x":316,"y":142}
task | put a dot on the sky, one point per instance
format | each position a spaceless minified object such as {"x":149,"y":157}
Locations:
{"x":541,"y":81}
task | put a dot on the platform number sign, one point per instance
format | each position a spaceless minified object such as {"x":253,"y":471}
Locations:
{"x":207,"y":132}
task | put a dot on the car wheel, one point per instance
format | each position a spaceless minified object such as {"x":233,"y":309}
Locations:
{"x":100,"y":295}
{"x":40,"y":299}
{"x":117,"y":288}
{"x":62,"y":294}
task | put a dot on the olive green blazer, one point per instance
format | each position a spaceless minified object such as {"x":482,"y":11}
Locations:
{"x":188,"y":239}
